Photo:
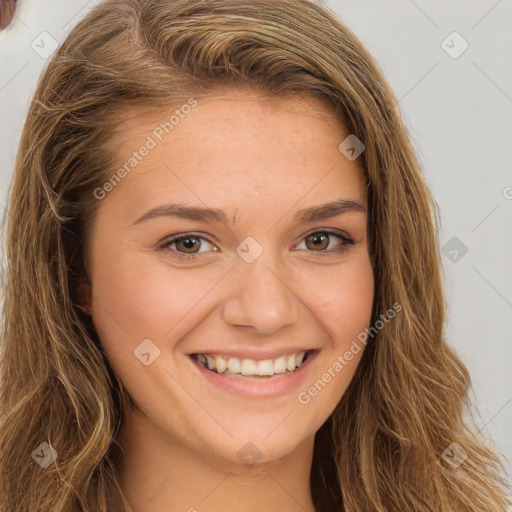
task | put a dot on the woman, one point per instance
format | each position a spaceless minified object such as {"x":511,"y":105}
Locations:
{"x":224,"y":286}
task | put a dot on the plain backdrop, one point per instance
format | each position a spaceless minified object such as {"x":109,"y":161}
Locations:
{"x":449,"y":64}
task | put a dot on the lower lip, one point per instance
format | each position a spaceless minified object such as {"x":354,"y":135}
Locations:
{"x":275,"y":386}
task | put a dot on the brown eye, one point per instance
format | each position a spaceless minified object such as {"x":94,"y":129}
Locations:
{"x":320,"y":241}
{"x":188,"y":244}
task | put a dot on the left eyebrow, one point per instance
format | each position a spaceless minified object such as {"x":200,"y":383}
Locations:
{"x":204,"y":214}
{"x":328,"y":210}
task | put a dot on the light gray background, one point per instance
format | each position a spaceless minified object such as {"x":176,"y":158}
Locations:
{"x":458,"y":113}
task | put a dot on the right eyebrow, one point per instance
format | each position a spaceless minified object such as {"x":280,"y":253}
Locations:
{"x":312,"y":213}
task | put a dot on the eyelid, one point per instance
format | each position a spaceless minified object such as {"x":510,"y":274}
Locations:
{"x":331,"y":231}
{"x":347,"y":242}
{"x":174,"y":238}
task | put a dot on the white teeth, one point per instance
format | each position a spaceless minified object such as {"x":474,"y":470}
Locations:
{"x":234,"y":365}
{"x":280,"y":365}
{"x":221,"y":364}
{"x":249,"y":367}
{"x":290,"y":362}
{"x":266,"y":367}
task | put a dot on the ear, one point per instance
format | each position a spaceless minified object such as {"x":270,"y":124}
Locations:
{"x":84,"y":294}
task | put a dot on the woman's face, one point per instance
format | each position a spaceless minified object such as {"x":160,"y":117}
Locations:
{"x":271,"y":273}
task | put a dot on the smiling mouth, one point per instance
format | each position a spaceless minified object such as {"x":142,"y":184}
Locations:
{"x":250,"y":368}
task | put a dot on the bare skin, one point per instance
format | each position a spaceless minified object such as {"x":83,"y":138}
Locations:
{"x":262,"y":160}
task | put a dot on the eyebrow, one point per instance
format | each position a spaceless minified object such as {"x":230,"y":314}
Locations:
{"x":313,"y":213}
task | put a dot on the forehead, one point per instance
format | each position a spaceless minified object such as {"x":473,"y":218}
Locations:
{"x":229,"y":112}
{"x":236,"y":144}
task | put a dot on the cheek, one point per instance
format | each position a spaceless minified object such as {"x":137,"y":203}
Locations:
{"x":342,"y":306}
{"x":342,"y":300}
{"x":134,"y":300}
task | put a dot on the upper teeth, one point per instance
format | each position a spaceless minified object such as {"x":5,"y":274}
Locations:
{"x":266,"y":367}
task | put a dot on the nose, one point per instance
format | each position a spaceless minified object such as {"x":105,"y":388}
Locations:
{"x":262,"y":298}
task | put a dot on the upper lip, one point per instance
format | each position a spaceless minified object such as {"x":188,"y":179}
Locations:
{"x":253,"y":354}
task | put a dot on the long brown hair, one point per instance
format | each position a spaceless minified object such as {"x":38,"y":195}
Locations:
{"x":381,"y":449}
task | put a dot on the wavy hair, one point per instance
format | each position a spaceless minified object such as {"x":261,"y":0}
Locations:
{"x":381,"y":448}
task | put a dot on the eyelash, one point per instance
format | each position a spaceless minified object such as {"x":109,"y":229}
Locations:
{"x":347,"y":243}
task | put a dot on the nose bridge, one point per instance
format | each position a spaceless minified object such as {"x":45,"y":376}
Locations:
{"x":260,"y":298}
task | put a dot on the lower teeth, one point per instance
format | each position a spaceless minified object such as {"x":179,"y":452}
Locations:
{"x":252,"y":377}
